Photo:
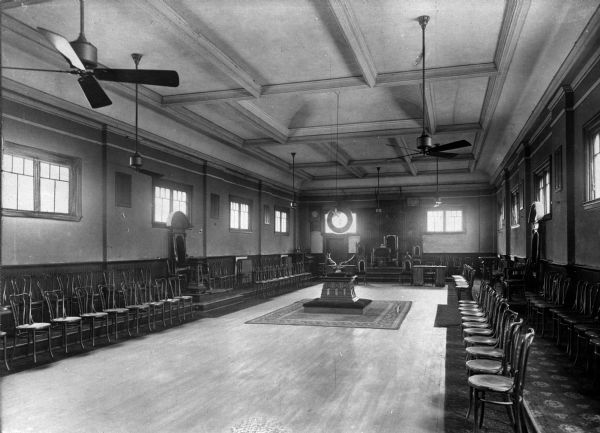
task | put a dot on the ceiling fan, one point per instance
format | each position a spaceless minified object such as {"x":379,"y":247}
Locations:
{"x":424,"y":141}
{"x":82,"y":58}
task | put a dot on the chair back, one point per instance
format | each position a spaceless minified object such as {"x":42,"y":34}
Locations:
{"x":87,"y":299}
{"x":511,"y":338}
{"x":55,"y":301}
{"x":20,"y":305}
{"x":523,"y":356}
{"x":174,"y":287}
{"x":160,"y":289}
{"x":111,"y":296}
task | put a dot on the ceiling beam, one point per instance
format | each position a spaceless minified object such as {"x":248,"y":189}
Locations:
{"x":403,"y":152}
{"x":262,"y":120}
{"x":417,"y":159}
{"x":343,"y":159}
{"x":391,"y":79}
{"x":437,"y":74}
{"x":361,"y":130}
{"x":172,"y":20}
{"x":10,"y":4}
{"x":348,"y":23}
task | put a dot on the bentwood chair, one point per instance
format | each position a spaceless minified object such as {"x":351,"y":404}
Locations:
{"x":506,"y":390}
{"x":4,"y":345}
{"x":25,"y":326}
{"x":87,"y":299}
{"x":175,"y":293}
{"x":135,"y":306}
{"x":161,"y":294}
{"x":56,"y":303}
{"x":113,"y":302}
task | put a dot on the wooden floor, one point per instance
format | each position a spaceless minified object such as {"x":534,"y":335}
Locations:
{"x":222,"y":375}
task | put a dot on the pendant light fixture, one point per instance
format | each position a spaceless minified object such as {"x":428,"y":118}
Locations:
{"x":338,"y":220}
{"x":293,"y":203}
{"x":378,"y":209}
{"x":135,"y":160}
{"x":424,"y":140}
{"x":438,"y":199}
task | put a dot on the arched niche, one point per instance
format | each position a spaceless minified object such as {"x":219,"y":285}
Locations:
{"x":177,"y":224}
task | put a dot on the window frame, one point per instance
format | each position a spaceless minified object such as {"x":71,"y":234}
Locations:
{"x":75,"y":180}
{"x":241,"y":200}
{"x":444,"y":211}
{"x":515,"y":207}
{"x":544,"y":170}
{"x":591,"y":130}
{"x":282,"y":210}
{"x":162,"y":183}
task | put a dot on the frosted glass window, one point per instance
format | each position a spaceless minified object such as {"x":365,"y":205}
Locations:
{"x":281,"y":221}
{"x":445,"y":221}
{"x":239,"y":214}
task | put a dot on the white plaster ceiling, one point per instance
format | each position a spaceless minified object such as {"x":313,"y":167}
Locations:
{"x":260,"y":79}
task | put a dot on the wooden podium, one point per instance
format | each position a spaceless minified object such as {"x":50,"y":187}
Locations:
{"x":337,"y":296}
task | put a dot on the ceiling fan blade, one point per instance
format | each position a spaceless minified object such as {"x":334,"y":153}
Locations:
{"x":63,"y":47}
{"x":156,"y":77}
{"x":93,"y":92}
{"x":451,"y":146}
{"x":441,"y":154}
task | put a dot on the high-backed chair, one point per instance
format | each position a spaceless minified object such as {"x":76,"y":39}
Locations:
{"x":25,"y":326}
{"x":59,"y":318}
{"x":506,"y":390}
{"x":139,"y":309}
{"x":161,"y":294}
{"x":175,"y":293}
{"x":87,"y":298}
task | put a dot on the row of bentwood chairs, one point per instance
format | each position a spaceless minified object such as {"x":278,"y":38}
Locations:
{"x":497,"y":349}
{"x":99,"y":306}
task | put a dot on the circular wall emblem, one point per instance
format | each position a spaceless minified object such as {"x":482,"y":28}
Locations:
{"x":340,"y":221}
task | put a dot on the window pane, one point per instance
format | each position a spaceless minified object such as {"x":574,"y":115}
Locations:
{"x":28,"y":167}
{"x":54,"y":171}
{"x":284,"y":222}
{"x":64,"y":173}
{"x":454,"y":221}
{"x":162,"y":202}
{"x":435,"y":221}
{"x":244,"y":217}
{"x":234,"y":215}
{"x":17,"y":165}
{"x":277,"y":221}
{"x":596,"y":170}
{"x":61,"y":197}
{"x":46,"y":195}
{"x":44,"y":170}
{"x":7,"y":163}
{"x":25,"y":193}
{"x":9,"y":190}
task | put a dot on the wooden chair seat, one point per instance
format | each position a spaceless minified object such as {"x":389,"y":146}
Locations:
{"x":34,"y":326}
{"x":491,"y":382}
{"x":484,"y":352}
{"x":484,"y":366}
{"x":481,"y":340}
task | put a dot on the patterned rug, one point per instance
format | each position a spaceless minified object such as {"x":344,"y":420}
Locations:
{"x":377,"y":315}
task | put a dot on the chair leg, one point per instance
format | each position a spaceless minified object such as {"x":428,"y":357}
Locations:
{"x":49,"y":341}
{"x":4,"y":350}
{"x":65,"y":341}
{"x":127,"y":321}
{"x":106,"y":328}
{"x":81,"y":334}
{"x":34,"y":351}
{"x":93,"y":331}
{"x":475,"y":411}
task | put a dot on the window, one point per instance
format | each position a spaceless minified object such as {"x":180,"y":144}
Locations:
{"x":594,"y":167}
{"x":514,"y":207}
{"x":542,"y":189}
{"x":40,"y":184}
{"x":445,"y":221}
{"x":239,"y":214}
{"x":168,"y":198}
{"x":282,"y":218}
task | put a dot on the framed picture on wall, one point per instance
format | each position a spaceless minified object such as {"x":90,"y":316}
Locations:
{"x":557,"y":165}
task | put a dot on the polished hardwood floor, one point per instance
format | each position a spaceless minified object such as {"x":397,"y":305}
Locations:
{"x":222,"y":375}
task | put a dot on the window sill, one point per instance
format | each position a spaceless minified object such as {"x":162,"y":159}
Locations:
{"x":42,"y":215}
{"x":516,"y":226}
{"x":239,"y":231}
{"x":592,"y":204}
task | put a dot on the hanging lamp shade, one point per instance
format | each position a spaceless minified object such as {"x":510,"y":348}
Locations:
{"x":135,"y":160}
{"x":378,"y":208}
{"x":293,"y":203}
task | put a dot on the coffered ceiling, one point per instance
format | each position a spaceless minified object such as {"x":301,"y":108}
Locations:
{"x":338,"y":82}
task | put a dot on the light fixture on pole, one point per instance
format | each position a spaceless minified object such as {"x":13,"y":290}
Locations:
{"x":424,"y":140}
{"x":293,"y":203}
{"x":135,"y":160}
{"x":378,"y":209}
{"x":438,"y":199}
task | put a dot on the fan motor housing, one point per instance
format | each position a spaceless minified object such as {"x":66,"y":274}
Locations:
{"x":86,"y":52}
{"x":424,"y":142}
